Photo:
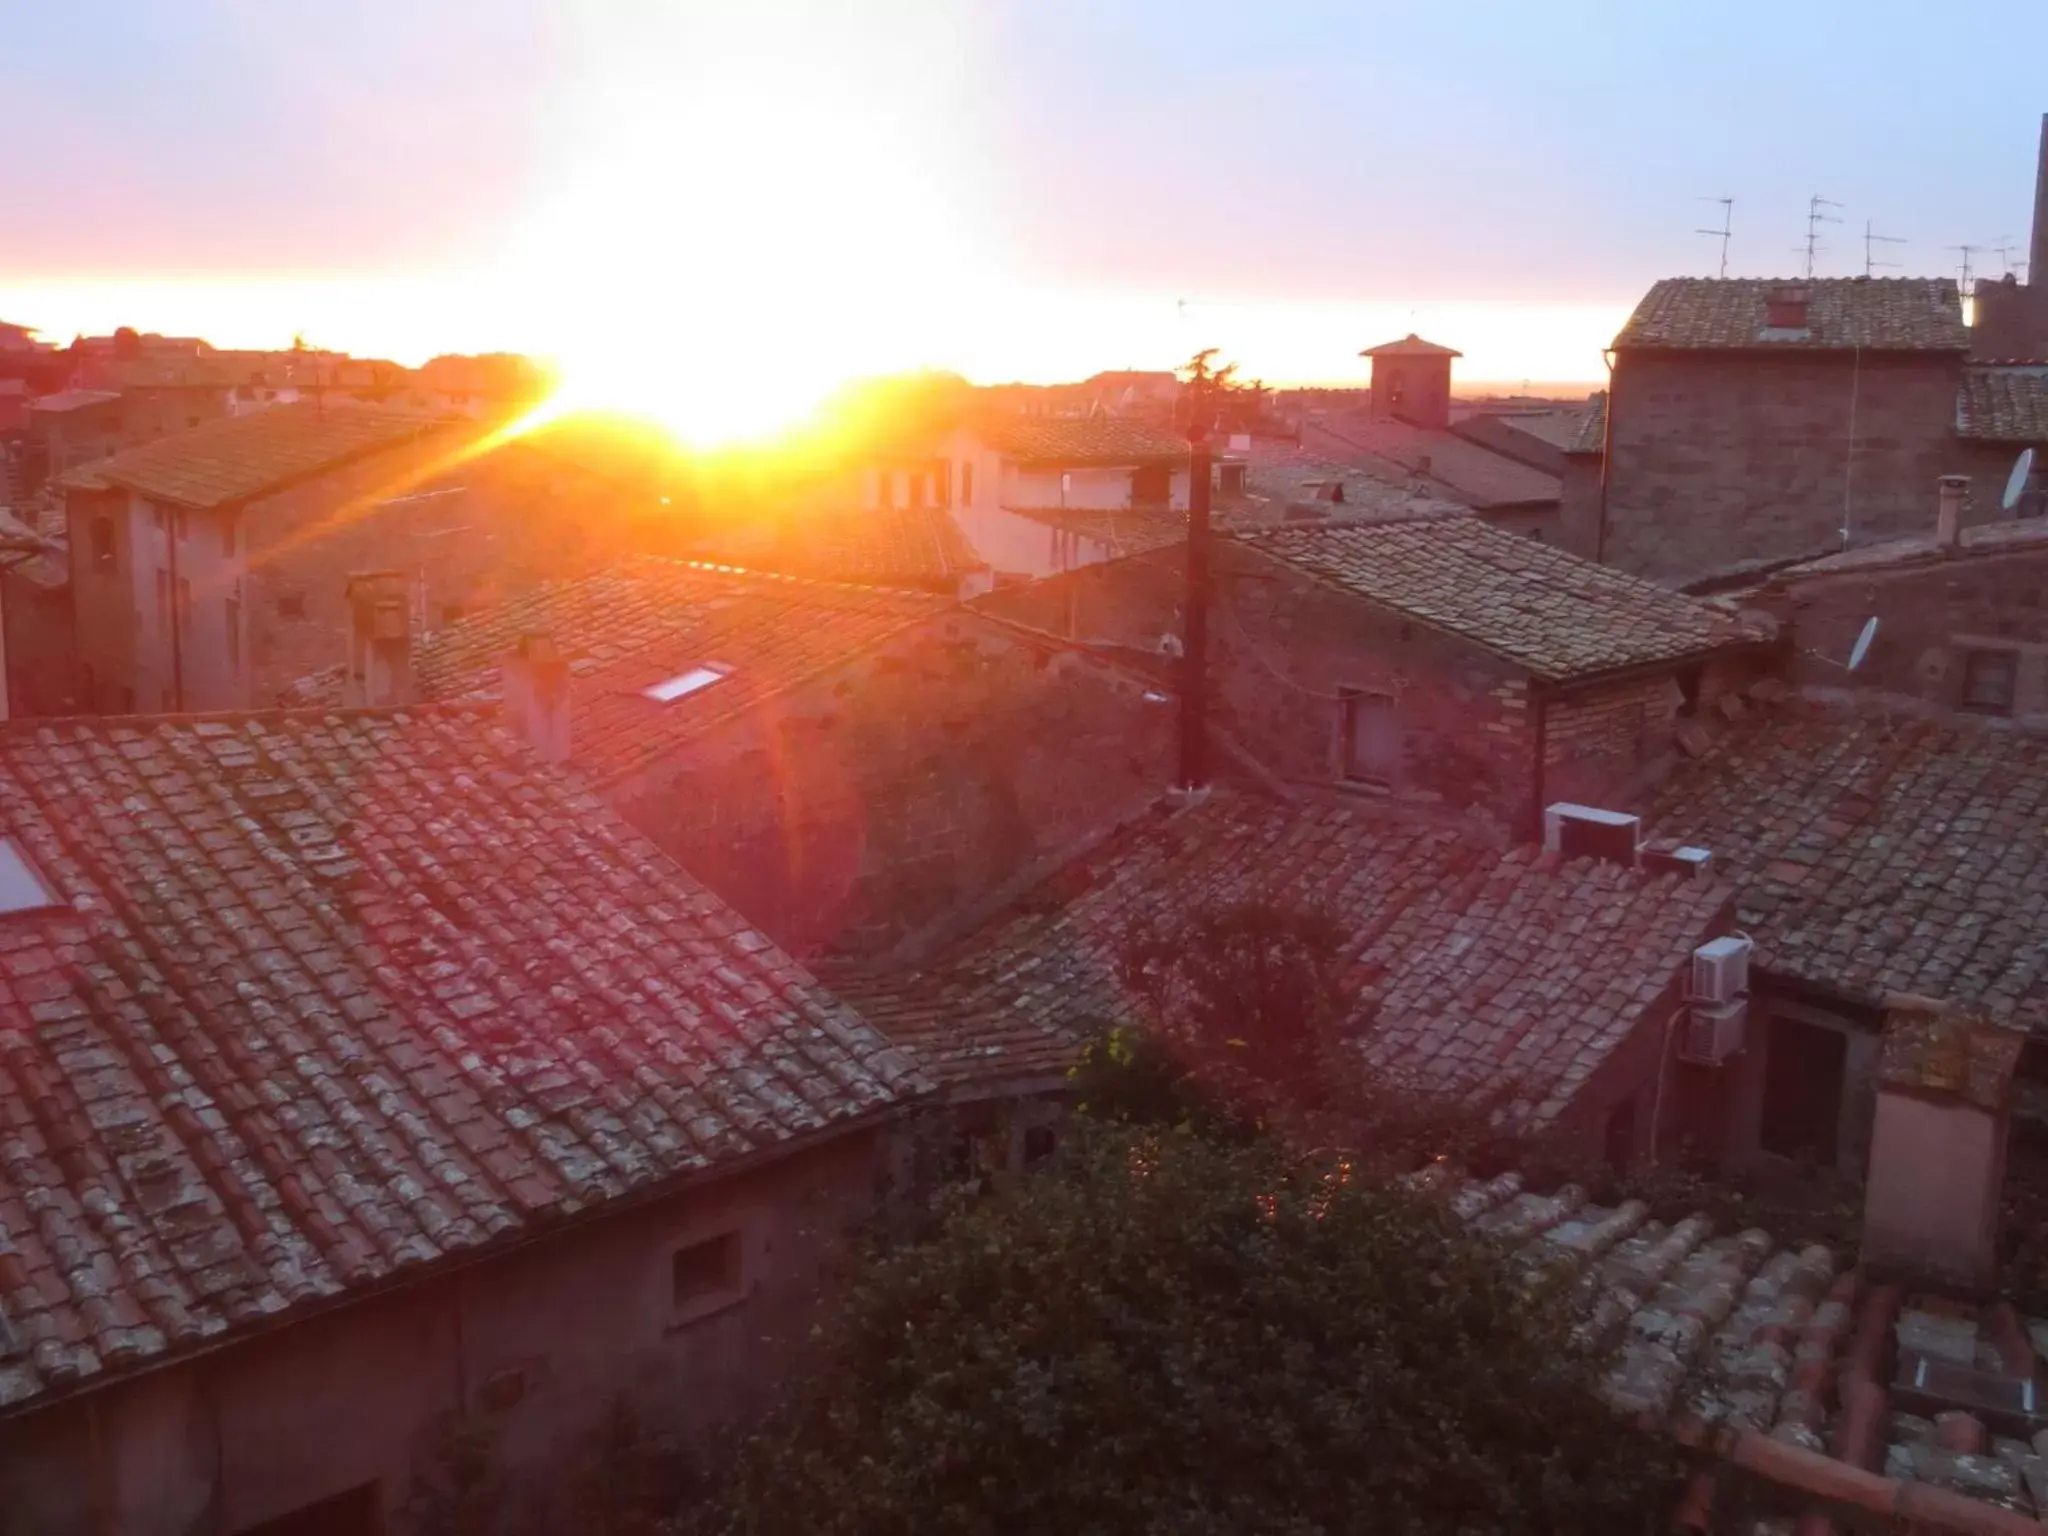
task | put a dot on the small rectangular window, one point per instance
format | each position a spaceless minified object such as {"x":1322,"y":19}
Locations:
{"x":1371,"y":744}
{"x":706,"y":1275}
{"x":1990,"y":679}
{"x":684,"y":684}
{"x":21,"y":888}
{"x":291,"y":605}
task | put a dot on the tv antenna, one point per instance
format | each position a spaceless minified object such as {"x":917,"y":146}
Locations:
{"x":1814,"y":219}
{"x":1727,"y":226}
{"x":1871,"y":240}
{"x":2005,"y":251}
{"x":1969,"y":279}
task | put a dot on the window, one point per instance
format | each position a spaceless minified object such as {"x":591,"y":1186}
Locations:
{"x":1040,"y":1142}
{"x":1989,"y":679}
{"x":291,"y":605}
{"x":684,"y":684}
{"x":1803,"y":1090}
{"x":1371,"y":745}
{"x":234,"y":623}
{"x":966,"y":485}
{"x":191,"y":421}
{"x":102,"y":536}
{"x":705,"y":1276}
{"x":21,"y":888}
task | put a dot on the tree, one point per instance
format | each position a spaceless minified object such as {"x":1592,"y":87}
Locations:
{"x":1171,"y":1334}
{"x":127,"y":344}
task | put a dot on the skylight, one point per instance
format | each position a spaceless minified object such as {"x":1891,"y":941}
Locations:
{"x":693,"y":681}
{"x":21,"y":888}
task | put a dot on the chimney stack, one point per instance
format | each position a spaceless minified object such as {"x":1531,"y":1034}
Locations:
{"x":2037,"y":252}
{"x":379,"y":640}
{"x":536,"y":688}
{"x":1948,"y":519}
{"x":1937,"y":1145}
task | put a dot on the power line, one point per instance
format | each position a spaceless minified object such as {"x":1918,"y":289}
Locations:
{"x":1727,"y":226}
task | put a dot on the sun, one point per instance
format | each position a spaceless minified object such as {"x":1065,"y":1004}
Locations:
{"x":720,"y":251}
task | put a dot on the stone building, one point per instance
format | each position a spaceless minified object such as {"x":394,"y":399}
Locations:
{"x":208,"y":569}
{"x":847,"y":764}
{"x":1411,"y":381}
{"x":1752,"y":422}
{"x":1433,"y":661}
{"x":360,"y":1075}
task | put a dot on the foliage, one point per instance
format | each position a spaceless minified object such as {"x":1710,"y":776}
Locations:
{"x":460,"y":1491}
{"x":1166,"y":1333}
{"x":628,"y":1479}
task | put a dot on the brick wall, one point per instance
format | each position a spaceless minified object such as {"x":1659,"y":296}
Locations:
{"x":866,"y":805}
{"x":1579,"y":504}
{"x":1715,"y":462}
{"x":1928,"y":611}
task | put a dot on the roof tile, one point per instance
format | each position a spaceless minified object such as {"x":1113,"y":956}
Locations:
{"x":1885,"y":314}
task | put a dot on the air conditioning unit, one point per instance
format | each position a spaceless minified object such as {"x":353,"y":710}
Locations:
{"x":1712,"y":1032}
{"x":1587,"y":832}
{"x":1720,"y":970}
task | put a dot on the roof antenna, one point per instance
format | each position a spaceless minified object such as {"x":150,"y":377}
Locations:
{"x":1814,"y":219}
{"x":1727,"y":226}
{"x":1858,"y":653}
{"x":1968,"y":286}
{"x":1872,"y":240}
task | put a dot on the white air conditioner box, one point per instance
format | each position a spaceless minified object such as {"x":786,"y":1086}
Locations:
{"x":1720,"y":970}
{"x":1586,"y":831}
{"x":1712,"y":1032}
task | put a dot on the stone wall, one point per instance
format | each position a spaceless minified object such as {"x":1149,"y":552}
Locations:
{"x":1579,"y":504}
{"x":532,"y":1347}
{"x":1929,"y":611}
{"x":866,"y":805}
{"x":1716,"y":462}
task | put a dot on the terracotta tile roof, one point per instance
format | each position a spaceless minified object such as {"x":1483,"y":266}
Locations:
{"x":74,"y":400}
{"x":1986,"y":541}
{"x":1463,"y":471}
{"x":1591,"y":436}
{"x":1280,"y":471}
{"x":1885,"y":314}
{"x":1543,"y":609}
{"x":919,"y":547}
{"x":1410,"y":345}
{"x":1102,"y":440}
{"x":1481,"y":965}
{"x":329,"y":999}
{"x":1880,"y":855}
{"x":649,"y":620}
{"x":1744,"y":1346}
{"x":238,"y":457}
{"x":2003,"y":405}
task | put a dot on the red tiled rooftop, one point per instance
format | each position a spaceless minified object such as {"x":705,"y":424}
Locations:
{"x":1480,"y":966}
{"x":1410,"y":345}
{"x":649,"y":620}
{"x":327,"y":999}
{"x":239,"y":457}
{"x":1879,"y":854}
{"x":917,"y":547}
{"x":1886,"y":314}
{"x":1081,"y":440}
{"x":2004,"y":405}
{"x":1474,"y":475}
{"x":1559,"y":616}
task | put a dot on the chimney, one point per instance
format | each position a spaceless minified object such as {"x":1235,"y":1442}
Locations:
{"x":2037,"y":252}
{"x":379,"y":640}
{"x":1785,"y":310}
{"x":1937,"y":1145}
{"x":1948,"y":518}
{"x":536,"y":689}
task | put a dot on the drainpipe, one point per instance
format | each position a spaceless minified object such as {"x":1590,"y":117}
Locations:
{"x":1606,"y":461}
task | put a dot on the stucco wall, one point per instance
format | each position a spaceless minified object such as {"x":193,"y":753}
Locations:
{"x":858,"y":808}
{"x":1718,"y":461}
{"x":564,"y":1327}
{"x":1937,"y":1168}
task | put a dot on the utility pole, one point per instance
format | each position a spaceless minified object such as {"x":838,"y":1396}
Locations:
{"x":1968,"y":285}
{"x":1870,"y":242}
{"x":1814,"y":219}
{"x":1727,"y":227}
{"x":1194,"y":694}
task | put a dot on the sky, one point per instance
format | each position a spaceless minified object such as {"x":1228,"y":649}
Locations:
{"x":719,"y":206}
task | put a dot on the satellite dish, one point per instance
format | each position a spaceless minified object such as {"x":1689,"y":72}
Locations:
{"x":2016,"y":483}
{"x":1861,"y":648}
